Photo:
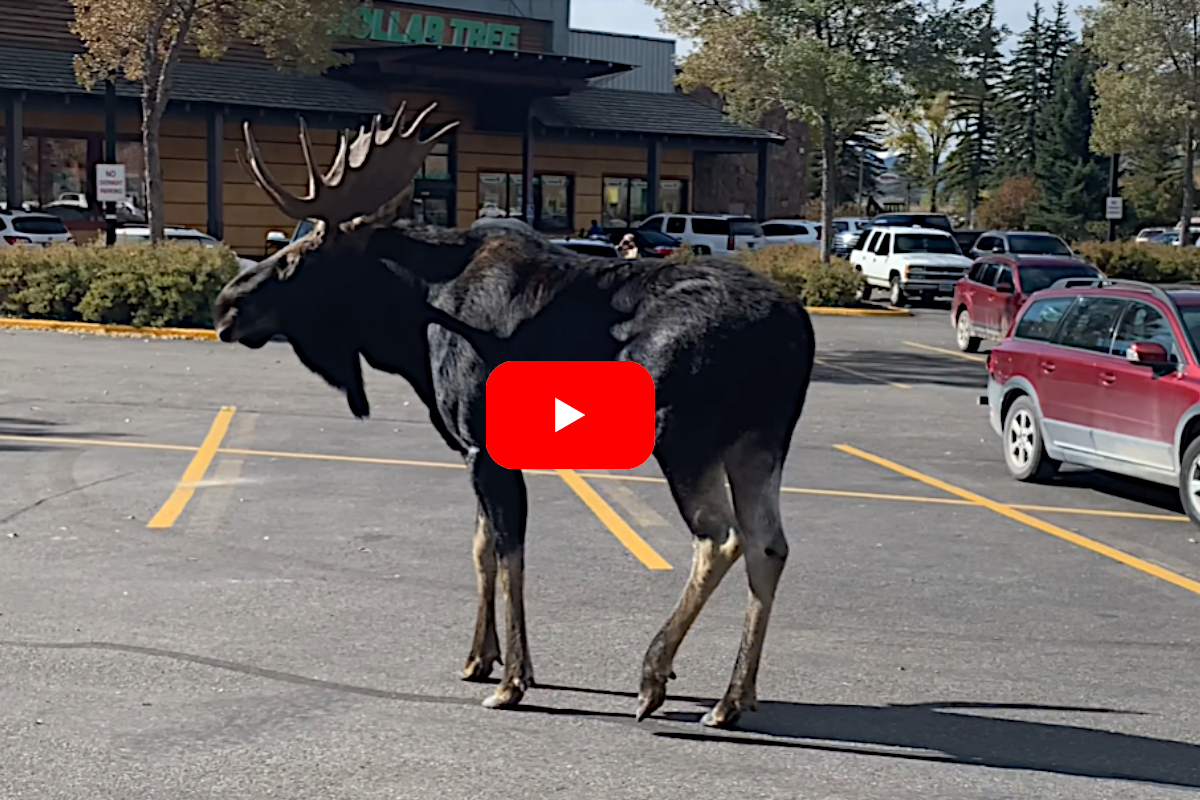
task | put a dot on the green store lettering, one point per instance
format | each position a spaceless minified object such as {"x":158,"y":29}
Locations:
{"x":391,"y":26}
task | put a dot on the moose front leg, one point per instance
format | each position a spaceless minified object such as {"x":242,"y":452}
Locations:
{"x":502,"y":497}
{"x":485,"y":648}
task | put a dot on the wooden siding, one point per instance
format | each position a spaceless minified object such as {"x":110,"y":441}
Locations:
{"x":249,"y":215}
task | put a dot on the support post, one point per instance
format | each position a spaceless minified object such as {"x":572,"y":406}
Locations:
{"x":653,"y":177}
{"x":15,"y":134}
{"x":762,"y":180}
{"x":1114,"y":190}
{"x":527,"y":193}
{"x":110,"y":156}
{"x":216,"y":174}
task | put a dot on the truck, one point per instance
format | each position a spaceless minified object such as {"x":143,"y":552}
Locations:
{"x":909,"y":262}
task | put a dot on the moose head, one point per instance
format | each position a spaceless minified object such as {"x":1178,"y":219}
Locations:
{"x":324,"y":291}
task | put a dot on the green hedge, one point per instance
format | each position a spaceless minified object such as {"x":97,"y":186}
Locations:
{"x":1153,"y":263}
{"x":799,"y":270}
{"x":172,"y":284}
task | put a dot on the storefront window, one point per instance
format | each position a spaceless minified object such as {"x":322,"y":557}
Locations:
{"x":626,"y":200}
{"x":500,"y":195}
{"x":437,"y":164}
{"x":132,"y":155}
{"x":616,"y":202}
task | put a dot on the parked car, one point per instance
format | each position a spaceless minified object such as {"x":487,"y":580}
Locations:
{"x":966,"y":240}
{"x":1151,"y":235}
{"x":650,"y":244}
{"x":997,"y":287}
{"x":909,"y":261}
{"x":717,"y":233}
{"x":791,"y":231}
{"x":846,"y":233}
{"x":1104,"y":375}
{"x":588,"y":246}
{"x":1172,"y":237}
{"x":909,"y":219}
{"x":1020,"y":243}
{"x":18,"y":228}
{"x":140,"y":234}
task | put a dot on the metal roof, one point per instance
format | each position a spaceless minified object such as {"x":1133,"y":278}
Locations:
{"x":53,"y":71}
{"x":654,"y":113}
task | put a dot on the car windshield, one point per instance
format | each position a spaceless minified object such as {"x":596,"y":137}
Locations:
{"x":917,"y":221}
{"x":924,"y":243}
{"x":1036,"y":278}
{"x":1031,"y":244}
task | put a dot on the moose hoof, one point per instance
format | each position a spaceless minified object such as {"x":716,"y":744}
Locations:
{"x":479,"y":668}
{"x":506,"y":696}
{"x":652,"y":695}
{"x":726,"y":713}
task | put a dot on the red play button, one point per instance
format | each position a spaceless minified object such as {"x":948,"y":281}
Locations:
{"x":570,"y":414}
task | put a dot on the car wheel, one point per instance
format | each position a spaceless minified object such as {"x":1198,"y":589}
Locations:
{"x":962,"y":334}
{"x":1024,"y":453}
{"x":896,"y":295}
{"x":1189,"y":481}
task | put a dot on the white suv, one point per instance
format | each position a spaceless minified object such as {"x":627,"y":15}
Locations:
{"x":18,"y":228}
{"x":909,"y":261}
{"x":711,"y":233}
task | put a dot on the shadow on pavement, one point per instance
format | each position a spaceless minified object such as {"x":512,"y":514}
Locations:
{"x":898,"y":366}
{"x":952,"y":738}
{"x":964,"y":738}
{"x":30,"y":430}
{"x":1131,"y":489}
{"x":948,"y":737}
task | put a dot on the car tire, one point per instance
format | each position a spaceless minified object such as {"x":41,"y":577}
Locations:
{"x":1189,"y":481}
{"x":896,"y":294}
{"x":962,"y":333}
{"x":1024,"y":452}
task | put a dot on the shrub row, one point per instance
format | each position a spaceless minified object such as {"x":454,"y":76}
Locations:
{"x":799,"y":270}
{"x":1154,"y":263}
{"x":173,"y":284}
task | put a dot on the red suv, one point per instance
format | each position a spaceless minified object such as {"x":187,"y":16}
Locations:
{"x":987,"y":299}
{"x":1104,"y":375}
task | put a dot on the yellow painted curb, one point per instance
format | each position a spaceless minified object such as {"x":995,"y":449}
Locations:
{"x":96,"y":329}
{"x":833,"y":311}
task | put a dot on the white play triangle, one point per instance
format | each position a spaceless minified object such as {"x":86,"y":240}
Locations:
{"x":564,"y":415}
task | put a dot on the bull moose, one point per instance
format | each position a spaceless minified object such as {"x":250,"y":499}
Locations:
{"x":730,"y":354}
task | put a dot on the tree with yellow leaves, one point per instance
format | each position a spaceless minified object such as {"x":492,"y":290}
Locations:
{"x":141,"y":40}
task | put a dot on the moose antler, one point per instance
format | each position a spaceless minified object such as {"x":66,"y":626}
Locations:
{"x":352,"y":187}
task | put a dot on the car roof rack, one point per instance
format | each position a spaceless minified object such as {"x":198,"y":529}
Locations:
{"x":1073,"y":283}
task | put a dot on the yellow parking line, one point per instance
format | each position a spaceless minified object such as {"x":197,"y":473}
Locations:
{"x":612,"y":520}
{"x":194,"y":473}
{"x":1005,"y":510}
{"x":600,"y":476}
{"x":862,"y":375}
{"x":945,"y":352}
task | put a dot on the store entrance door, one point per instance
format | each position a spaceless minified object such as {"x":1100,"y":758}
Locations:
{"x":433,"y":203}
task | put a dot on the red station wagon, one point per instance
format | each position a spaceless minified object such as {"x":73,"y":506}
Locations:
{"x":997,"y":286}
{"x":1105,"y":375}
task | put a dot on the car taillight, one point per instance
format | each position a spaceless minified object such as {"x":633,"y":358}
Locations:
{"x":730,"y":243}
{"x":17,"y":240}
{"x":663,"y":251}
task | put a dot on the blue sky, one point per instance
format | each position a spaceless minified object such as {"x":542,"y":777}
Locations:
{"x":635,"y":17}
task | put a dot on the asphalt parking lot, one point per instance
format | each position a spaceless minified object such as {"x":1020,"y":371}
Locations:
{"x":214,"y":582}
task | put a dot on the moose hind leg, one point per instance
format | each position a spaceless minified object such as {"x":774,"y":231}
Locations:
{"x":754,"y":476}
{"x":502,"y":496}
{"x":704,"y":503}
{"x":485,"y":648}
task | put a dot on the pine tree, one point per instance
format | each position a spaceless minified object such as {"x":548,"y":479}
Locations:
{"x":975,"y":108}
{"x":1072,"y":180}
{"x":1151,"y":182}
{"x":1026,"y":90}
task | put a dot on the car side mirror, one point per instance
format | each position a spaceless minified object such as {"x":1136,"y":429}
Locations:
{"x":1149,"y":354}
{"x":1005,"y":287}
{"x":998,"y":248}
{"x":276,"y":240}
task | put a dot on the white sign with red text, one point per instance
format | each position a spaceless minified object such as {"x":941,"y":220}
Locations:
{"x":110,"y":183}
